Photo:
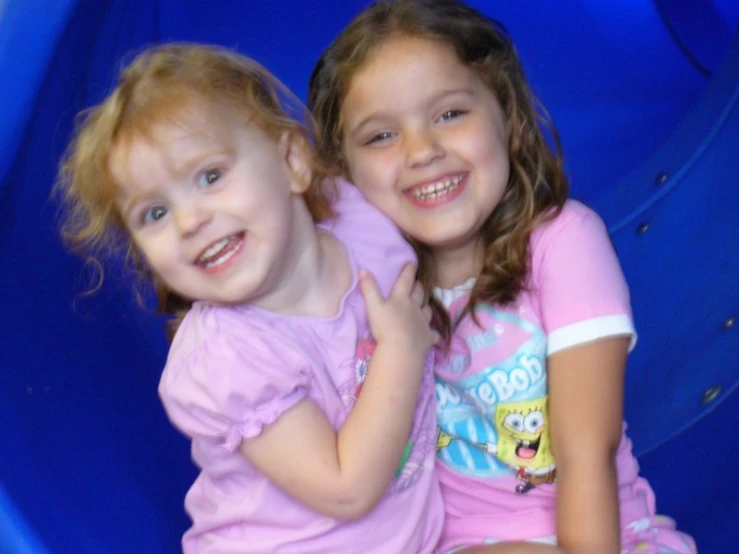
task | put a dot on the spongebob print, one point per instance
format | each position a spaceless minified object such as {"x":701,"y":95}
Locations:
{"x":524,"y":442}
{"x":492,"y":404}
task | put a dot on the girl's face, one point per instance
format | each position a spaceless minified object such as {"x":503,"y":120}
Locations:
{"x":425,"y":141}
{"x":211,"y":204}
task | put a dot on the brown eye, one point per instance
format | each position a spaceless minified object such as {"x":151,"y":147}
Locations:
{"x":451,"y":114}
{"x":380,"y":137}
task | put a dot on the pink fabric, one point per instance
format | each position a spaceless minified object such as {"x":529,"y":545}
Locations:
{"x":234,"y":370}
{"x":494,"y":460}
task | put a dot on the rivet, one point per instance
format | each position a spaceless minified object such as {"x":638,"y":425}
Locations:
{"x":729,"y":323}
{"x":711,"y":394}
{"x":661,"y":178}
{"x":29,"y":390}
{"x":642,"y":228}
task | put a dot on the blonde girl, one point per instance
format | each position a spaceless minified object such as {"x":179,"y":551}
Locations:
{"x":291,"y":295}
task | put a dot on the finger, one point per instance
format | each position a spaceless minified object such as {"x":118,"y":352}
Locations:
{"x":407,"y":278}
{"x":417,"y":294}
{"x":370,"y":290}
{"x":428,"y":313}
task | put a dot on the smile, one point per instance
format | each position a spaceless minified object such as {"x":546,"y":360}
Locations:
{"x":220,"y":251}
{"x":528,"y":449}
{"x":438,"y":189}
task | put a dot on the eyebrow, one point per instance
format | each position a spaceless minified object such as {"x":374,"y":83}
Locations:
{"x":441,"y":95}
{"x":127,"y":208}
{"x":189,"y":164}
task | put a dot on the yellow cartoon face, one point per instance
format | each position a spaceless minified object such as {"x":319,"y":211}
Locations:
{"x":523,"y":434}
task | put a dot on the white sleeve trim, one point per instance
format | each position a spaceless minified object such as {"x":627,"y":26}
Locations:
{"x":590,"y":330}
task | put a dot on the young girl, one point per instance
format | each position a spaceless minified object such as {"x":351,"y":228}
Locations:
{"x":194,"y":169}
{"x":423,"y":104}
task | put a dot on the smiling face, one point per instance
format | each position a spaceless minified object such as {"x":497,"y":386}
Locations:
{"x":425,"y":141}
{"x":214,"y":206}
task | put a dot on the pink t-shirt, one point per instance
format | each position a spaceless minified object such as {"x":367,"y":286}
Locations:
{"x":494,"y":452}
{"x":232,"y":370}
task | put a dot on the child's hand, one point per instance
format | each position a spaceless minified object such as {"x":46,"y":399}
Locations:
{"x":403,"y":317}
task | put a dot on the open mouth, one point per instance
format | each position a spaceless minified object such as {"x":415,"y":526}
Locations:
{"x":438,"y":189}
{"x":220,"y":251}
{"x":527,"y":450}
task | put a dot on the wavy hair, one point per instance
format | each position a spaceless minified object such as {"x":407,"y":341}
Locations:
{"x":161,"y":85}
{"x":537,"y":187}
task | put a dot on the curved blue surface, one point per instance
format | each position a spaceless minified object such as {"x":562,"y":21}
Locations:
{"x":645,"y":94}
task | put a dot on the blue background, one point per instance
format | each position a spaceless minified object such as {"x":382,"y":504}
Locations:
{"x":644,"y":93}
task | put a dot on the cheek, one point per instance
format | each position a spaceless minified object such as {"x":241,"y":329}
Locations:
{"x":373,"y":173}
{"x":356,"y":166}
{"x":157,"y":255}
{"x":486,"y":147}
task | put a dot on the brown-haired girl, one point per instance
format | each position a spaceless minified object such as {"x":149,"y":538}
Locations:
{"x":423,"y":104}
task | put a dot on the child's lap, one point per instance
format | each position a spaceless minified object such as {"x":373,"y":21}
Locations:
{"x":655,"y":535}
{"x":649,"y":535}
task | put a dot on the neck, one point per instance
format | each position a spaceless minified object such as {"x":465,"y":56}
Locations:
{"x":453,"y":266}
{"x":313,"y":266}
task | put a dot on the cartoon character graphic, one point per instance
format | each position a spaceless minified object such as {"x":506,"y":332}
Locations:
{"x":357,"y":366}
{"x":365,"y":351}
{"x":524,"y":443}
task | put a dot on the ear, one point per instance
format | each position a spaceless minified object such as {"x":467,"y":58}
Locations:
{"x":296,"y":153}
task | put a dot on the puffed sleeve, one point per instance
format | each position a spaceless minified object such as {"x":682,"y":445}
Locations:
{"x":581,"y":289}
{"x":232,"y":384}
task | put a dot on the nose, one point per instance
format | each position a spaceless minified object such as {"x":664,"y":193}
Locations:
{"x":191,"y":217}
{"x":422,"y":148}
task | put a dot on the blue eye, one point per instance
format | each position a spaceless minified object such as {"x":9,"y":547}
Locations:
{"x":209,"y":177}
{"x":154,"y":214}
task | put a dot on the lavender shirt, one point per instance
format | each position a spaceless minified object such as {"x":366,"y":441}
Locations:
{"x":232,"y":370}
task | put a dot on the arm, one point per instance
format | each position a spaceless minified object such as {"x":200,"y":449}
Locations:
{"x":343,"y":474}
{"x":586,"y":410}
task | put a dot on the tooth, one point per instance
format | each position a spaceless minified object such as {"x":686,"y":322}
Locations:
{"x":214,"y":250}
{"x":221,"y":260}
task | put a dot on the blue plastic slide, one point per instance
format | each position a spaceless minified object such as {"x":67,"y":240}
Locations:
{"x":645,"y":94}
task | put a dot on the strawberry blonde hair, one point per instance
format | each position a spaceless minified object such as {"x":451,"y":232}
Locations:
{"x":162,"y":85}
{"x":537,"y":187}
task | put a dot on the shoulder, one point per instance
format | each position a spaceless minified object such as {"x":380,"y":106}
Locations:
{"x":374,"y":240}
{"x":353,"y":210}
{"x":575,"y":218}
{"x":576,"y":233}
{"x":219,"y":345}
{"x":219,"y":328}
{"x":227,"y":376}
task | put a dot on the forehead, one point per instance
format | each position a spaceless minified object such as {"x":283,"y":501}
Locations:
{"x":162,"y":145}
{"x":407,"y":65}
{"x":160,"y":149}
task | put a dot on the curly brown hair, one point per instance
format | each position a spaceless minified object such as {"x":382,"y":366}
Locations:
{"x":537,"y":187}
{"x":161,"y":85}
